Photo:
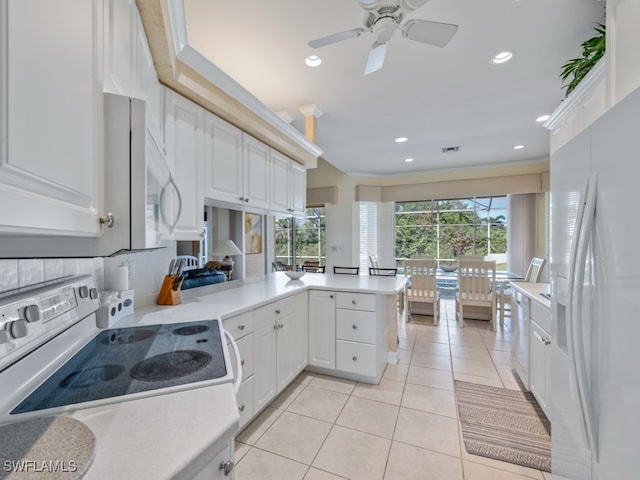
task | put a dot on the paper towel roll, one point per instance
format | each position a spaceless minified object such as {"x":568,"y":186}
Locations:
{"x":118,"y":278}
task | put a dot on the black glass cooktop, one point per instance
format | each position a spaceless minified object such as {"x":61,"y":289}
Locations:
{"x":123,"y":361}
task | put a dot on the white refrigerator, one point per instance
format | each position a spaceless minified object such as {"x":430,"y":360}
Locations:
{"x":595,"y":275}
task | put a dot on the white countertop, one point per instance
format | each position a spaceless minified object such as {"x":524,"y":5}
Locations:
{"x":533,"y":291}
{"x":174,"y":435}
{"x":223,"y":300}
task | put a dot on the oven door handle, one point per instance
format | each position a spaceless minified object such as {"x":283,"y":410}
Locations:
{"x":236,"y":351}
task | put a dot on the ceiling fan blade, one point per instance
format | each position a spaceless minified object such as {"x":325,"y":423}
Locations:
{"x":376,"y":57}
{"x":369,"y":4}
{"x":336,"y":37}
{"x":432,"y":33}
{"x":412,"y":4}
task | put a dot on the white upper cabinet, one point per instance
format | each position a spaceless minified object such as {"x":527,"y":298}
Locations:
{"x":128,"y":64}
{"x":222,"y":161}
{"x":256,"y":172}
{"x":185,"y":146}
{"x":289,"y":185}
{"x":50,"y":117}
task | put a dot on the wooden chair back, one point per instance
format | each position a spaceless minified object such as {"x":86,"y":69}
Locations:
{"x":534,"y":272}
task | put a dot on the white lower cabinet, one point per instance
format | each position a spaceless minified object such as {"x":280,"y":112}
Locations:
{"x":348,"y":334}
{"x":301,"y":332}
{"x":241,"y":329}
{"x":322,"y":329}
{"x":540,"y":350}
{"x":221,"y":467}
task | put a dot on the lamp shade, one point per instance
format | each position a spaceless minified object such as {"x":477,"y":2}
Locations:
{"x":226,"y":247}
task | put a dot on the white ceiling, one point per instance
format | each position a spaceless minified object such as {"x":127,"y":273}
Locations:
{"x":437,"y":97}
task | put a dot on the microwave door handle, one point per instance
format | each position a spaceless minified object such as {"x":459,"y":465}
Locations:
{"x":163,"y":214}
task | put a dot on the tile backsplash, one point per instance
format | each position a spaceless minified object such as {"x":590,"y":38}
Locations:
{"x":146,"y":271}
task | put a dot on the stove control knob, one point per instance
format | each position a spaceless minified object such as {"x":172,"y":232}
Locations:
{"x":32,"y":313}
{"x":83,"y":291}
{"x":93,"y":293}
{"x":18,"y":328}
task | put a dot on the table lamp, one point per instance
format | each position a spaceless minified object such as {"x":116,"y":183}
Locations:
{"x":226,"y":248}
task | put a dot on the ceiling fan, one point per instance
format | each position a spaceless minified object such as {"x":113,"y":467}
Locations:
{"x":382,"y":18}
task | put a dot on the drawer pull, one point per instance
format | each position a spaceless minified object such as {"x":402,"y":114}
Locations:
{"x":242,"y":362}
{"x":275,"y":327}
{"x":546,"y":340}
{"x":353,"y":302}
{"x":354,"y":326}
{"x":241,"y":326}
{"x":354,"y":358}
{"x":330,"y":296}
{"x":277,"y":312}
{"x":280,"y":325}
{"x":241,"y":408}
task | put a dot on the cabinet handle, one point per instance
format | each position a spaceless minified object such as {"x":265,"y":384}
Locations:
{"x":242,"y":362}
{"x":330,"y":296}
{"x":546,"y":340}
{"x":241,"y":408}
{"x":354,"y":326}
{"x":275,"y":327}
{"x":281,"y":325}
{"x":227,"y":467}
{"x":353,"y":302}
{"x":246,"y":200}
{"x":277,"y":312}
{"x":241,"y":326}
{"x":354,"y":358}
{"x":108,"y":220}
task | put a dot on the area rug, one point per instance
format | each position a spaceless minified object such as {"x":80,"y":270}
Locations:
{"x":507,"y":425}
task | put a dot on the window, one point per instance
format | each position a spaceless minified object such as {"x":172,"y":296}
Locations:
{"x":300,"y":239}
{"x":447,"y":229}
{"x":368,"y":233}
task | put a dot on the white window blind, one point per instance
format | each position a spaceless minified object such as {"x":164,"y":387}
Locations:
{"x":368,"y":233}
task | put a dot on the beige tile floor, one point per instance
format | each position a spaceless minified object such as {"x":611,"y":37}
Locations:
{"x":405,"y":428}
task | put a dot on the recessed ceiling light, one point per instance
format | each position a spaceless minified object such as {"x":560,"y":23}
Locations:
{"x":543,"y":118}
{"x":502,"y":57}
{"x":518,"y":147}
{"x":401,"y":139}
{"x":408,"y":160}
{"x":313,"y":60}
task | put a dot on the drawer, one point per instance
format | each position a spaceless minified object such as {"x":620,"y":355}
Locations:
{"x":356,"y":325}
{"x":355,"y":357}
{"x":239,"y":325}
{"x":244,"y":399}
{"x":245,"y":345}
{"x":540,"y":315}
{"x":356,"y":301}
{"x":272,"y":311}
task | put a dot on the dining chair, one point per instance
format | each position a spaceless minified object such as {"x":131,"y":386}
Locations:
{"x":476,"y":287}
{"x":383,"y":272}
{"x":280,"y":267}
{"x":533,"y":275}
{"x":312,"y":267}
{"x":422,"y":286}
{"x":346,"y":270}
{"x":191,"y":262}
{"x":373,"y":261}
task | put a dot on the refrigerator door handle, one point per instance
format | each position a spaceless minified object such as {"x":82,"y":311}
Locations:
{"x":583,"y":237}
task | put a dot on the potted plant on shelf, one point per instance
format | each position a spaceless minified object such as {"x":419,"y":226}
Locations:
{"x":592,"y":51}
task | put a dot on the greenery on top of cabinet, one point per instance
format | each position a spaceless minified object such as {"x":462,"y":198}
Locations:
{"x":592,"y":51}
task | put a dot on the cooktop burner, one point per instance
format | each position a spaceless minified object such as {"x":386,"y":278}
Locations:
{"x":126,"y":361}
{"x":170,"y":365}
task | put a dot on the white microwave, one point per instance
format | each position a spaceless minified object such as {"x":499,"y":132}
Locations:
{"x":141,"y":196}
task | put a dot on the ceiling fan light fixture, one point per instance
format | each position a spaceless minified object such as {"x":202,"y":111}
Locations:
{"x":412,"y":4}
{"x":408,"y":160}
{"x":502,"y":57}
{"x":401,"y":139}
{"x":313,"y":61}
{"x":368,"y":4}
{"x":518,"y":147}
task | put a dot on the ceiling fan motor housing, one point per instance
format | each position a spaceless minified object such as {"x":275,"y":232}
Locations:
{"x":384,"y":29}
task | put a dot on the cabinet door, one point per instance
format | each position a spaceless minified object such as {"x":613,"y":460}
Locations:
{"x":51,"y":157}
{"x":322,"y":329}
{"x":264,"y":366}
{"x":286,"y":369}
{"x":223,"y":161}
{"x":184,"y":142}
{"x":301,"y":332}
{"x":280,"y":182}
{"x":298,"y":189}
{"x":256,"y":172}
{"x":540,"y":363}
